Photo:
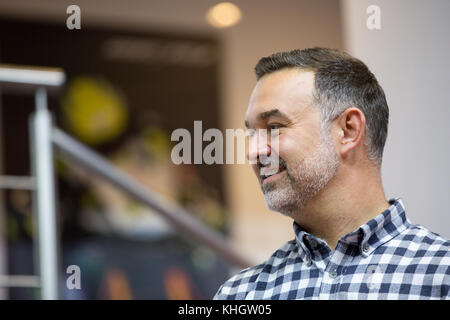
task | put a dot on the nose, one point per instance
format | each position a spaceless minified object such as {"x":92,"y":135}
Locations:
{"x":258,"y":147}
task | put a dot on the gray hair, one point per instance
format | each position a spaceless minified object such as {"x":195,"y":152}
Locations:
{"x":341,"y":82}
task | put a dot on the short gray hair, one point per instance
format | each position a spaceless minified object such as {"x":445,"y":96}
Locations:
{"x":341,"y":82}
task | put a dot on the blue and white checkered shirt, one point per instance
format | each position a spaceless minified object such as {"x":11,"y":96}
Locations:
{"x":386,"y":258}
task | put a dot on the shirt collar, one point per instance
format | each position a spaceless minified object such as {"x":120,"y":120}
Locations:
{"x":367,"y":237}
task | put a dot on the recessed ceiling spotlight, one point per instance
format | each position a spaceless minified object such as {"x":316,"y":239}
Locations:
{"x":223,"y":15}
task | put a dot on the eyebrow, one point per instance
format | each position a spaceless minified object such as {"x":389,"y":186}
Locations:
{"x":267,"y":114}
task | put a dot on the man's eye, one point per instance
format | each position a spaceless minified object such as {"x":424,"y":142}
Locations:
{"x":274,"y":126}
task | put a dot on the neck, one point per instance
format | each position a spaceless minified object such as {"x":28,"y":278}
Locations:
{"x":344,"y":204}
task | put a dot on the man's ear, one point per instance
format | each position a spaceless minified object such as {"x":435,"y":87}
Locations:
{"x":351,"y":126}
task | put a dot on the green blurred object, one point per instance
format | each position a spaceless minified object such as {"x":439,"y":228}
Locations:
{"x":156,"y":140}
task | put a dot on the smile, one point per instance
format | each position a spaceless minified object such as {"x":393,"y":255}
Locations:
{"x":269,"y":177}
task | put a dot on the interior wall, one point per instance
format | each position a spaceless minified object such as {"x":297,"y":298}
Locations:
{"x":409,"y":56}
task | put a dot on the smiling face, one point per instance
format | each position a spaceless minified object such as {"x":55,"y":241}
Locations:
{"x":283,"y":100}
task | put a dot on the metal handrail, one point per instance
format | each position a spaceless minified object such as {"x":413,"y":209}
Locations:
{"x":25,"y":281}
{"x":17,"y":182}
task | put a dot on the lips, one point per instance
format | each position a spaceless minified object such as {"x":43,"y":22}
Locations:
{"x":267,"y":176}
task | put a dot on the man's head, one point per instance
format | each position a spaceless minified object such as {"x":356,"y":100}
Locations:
{"x":329,"y":110}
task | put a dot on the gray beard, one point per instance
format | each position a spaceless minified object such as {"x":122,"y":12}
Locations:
{"x":298,"y":185}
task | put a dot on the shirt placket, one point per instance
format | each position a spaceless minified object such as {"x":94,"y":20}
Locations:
{"x":332,"y":274}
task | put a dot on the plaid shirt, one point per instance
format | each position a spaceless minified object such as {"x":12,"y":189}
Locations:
{"x":386,"y":258}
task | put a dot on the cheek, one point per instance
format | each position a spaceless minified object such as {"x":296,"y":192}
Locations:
{"x":296,"y":147}
{"x":289,"y":150}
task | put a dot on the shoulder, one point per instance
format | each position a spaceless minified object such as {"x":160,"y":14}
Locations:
{"x":418,"y":238}
{"x":238,"y":286}
{"x":422,"y":258}
{"x":422,"y":251}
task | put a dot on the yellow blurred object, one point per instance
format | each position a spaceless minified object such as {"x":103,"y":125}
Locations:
{"x":94,"y":110}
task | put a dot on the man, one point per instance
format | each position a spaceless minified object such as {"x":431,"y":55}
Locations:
{"x":331,"y":119}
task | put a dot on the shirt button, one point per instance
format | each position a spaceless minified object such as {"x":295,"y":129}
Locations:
{"x":366,"y":248}
{"x":313,"y":243}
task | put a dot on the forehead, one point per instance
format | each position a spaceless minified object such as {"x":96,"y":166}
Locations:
{"x":288,"y":90}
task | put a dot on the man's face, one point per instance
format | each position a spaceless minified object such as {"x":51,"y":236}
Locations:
{"x":307,"y":160}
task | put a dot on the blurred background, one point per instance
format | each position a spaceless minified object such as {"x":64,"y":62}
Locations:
{"x":139,"y":69}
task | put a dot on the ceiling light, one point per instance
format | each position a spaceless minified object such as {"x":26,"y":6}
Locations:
{"x":223,"y":15}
